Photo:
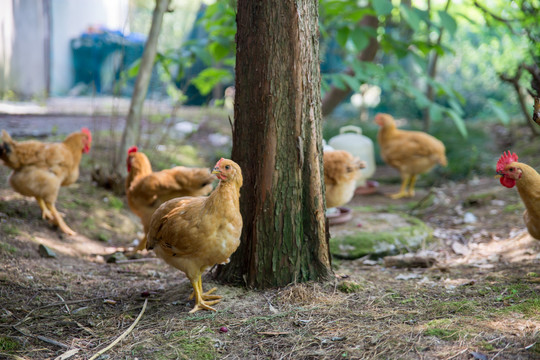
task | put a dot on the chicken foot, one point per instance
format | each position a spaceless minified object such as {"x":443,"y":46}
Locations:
{"x":45,"y":213}
{"x":201,"y":304}
{"x":409,"y":180}
{"x":204,"y":295}
{"x":58,"y":220}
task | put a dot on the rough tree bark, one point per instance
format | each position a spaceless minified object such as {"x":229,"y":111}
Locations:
{"x":336,"y":95}
{"x":133,"y":121}
{"x":277,"y":141}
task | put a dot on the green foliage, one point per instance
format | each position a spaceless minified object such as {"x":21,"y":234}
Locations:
{"x":8,"y":344}
{"x":349,"y":287}
{"x":209,"y":78}
{"x":196,"y":348}
{"x":10,"y":230}
{"x":115,"y":202}
{"x":7,"y":248}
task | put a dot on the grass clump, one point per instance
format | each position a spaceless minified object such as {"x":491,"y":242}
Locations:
{"x":196,"y":348}
{"x":529,"y":307}
{"x":465,"y":307}
{"x":7,"y":248}
{"x":441,"y":328}
{"x":8,"y":344}
{"x":115,"y":202}
{"x":10,"y":230}
{"x":349,"y":287}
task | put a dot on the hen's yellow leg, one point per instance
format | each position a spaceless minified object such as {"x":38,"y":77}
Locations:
{"x":402,"y":191}
{"x":142,"y":244}
{"x":204,"y":295}
{"x":45,"y":213}
{"x":411,"y":185}
{"x":200,"y":304}
{"x":59,"y":220}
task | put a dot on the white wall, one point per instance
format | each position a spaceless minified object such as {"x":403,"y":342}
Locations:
{"x":7,"y":27}
{"x":23,"y":60}
{"x":70,"y":18}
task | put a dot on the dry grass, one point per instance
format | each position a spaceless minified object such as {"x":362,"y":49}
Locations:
{"x":486,"y":301}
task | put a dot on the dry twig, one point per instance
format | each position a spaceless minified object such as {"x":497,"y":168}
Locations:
{"x":118,"y":339}
{"x":42,"y":338}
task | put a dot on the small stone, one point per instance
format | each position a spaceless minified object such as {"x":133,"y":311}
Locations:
{"x":115,"y":257}
{"x":46,"y":252}
{"x":223,"y":329}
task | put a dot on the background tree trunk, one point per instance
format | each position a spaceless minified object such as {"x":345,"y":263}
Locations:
{"x":132,"y":129}
{"x":277,"y":140}
{"x":335,"y":95}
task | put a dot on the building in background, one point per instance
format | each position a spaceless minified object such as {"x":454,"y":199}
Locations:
{"x":36,"y":58}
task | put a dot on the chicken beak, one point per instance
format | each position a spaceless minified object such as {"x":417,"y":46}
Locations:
{"x":216,"y":171}
{"x":499,"y":175}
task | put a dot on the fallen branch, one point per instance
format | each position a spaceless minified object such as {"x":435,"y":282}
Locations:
{"x":136,"y":260}
{"x":55,"y":304}
{"x":95,"y":356}
{"x":42,"y":338}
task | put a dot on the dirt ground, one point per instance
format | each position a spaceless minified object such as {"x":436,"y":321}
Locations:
{"x":479,"y":301}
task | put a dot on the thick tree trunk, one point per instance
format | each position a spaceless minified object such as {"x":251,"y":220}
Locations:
{"x":336,"y":95}
{"x":277,"y":140}
{"x":133,"y":121}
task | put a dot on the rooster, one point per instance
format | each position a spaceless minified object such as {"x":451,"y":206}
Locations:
{"x":513,"y":173}
{"x":147,"y":190}
{"x":40,"y":169}
{"x":195,"y":233}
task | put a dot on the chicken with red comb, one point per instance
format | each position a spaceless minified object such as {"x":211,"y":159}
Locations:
{"x":147,"y":190}
{"x":40,"y":169}
{"x":527,"y":180}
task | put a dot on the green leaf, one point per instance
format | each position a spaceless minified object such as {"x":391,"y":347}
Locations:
{"x":343,"y":36}
{"x":499,"y":111}
{"x":458,"y":121}
{"x":209,"y":78}
{"x":436,"y":112}
{"x":218,"y":51}
{"x":352,"y":82}
{"x":382,"y":7}
{"x":134,"y":68}
{"x":411,"y":17}
{"x":360,"y":39}
{"x":448,"y":22}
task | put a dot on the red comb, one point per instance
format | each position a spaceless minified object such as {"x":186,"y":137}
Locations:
{"x":132,"y":149}
{"x":505,"y":159}
{"x":219,"y":162}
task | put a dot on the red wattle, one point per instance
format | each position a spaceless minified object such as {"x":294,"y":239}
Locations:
{"x":508,"y":182}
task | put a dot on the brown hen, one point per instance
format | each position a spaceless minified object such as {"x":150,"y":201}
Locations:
{"x":195,"y":233}
{"x":40,"y":169}
{"x":147,"y":190}
{"x":341,"y":170}
{"x":411,"y":152}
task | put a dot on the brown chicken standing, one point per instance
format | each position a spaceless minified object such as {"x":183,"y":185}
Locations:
{"x":40,"y":169}
{"x":411,"y":152}
{"x":147,"y":190}
{"x":195,"y":233}
{"x":527,"y":180}
{"x":341,"y":170}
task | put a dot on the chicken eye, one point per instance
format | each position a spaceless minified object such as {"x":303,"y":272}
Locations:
{"x":204,"y":184}
{"x":511,"y":169}
{"x":227,"y":167}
